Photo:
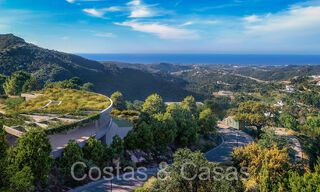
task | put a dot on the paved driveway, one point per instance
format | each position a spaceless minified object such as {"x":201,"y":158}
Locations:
{"x":232,"y":138}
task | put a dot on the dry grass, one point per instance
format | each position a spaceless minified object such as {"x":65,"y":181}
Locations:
{"x":72,"y":101}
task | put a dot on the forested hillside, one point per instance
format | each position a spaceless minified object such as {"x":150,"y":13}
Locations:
{"x":48,"y":65}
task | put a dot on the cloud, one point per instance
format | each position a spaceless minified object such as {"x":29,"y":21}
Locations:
{"x":108,"y":35}
{"x":162,"y":31}
{"x":252,"y":18}
{"x":295,"y":29}
{"x":74,"y":1}
{"x":187,"y":23}
{"x":101,"y":12}
{"x":291,"y":21}
{"x":94,"y":12}
{"x":140,"y":10}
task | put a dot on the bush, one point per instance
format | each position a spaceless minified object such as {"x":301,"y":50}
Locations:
{"x":12,"y":103}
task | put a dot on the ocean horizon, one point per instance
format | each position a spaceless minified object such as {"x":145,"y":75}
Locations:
{"x":223,"y":59}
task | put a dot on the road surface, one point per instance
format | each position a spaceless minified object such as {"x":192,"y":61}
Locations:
{"x":232,"y":138}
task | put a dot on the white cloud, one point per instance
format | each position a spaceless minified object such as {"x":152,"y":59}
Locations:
{"x":290,"y":21}
{"x":108,"y":35}
{"x":78,"y":1}
{"x":101,"y":12}
{"x":113,"y":9}
{"x":73,"y":1}
{"x":187,"y":23}
{"x":252,"y":19}
{"x":140,"y":10}
{"x":295,"y":30}
{"x":94,"y":12}
{"x":162,"y":31}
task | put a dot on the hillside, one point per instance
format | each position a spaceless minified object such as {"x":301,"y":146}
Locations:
{"x":49,"y":65}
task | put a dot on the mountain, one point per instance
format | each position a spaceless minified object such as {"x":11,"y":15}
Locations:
{"x":49,"y":65}
{"x":153,"y":68}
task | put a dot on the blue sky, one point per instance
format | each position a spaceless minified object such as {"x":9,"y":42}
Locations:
{"x":167,"y":26}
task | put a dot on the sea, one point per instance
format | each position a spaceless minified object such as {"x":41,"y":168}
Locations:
{"x":223,"y":59}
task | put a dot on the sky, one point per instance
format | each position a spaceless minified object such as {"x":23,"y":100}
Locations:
{"x":166,"y":26}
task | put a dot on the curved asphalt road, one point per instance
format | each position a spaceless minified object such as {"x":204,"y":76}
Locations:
{"x":232,"y":138}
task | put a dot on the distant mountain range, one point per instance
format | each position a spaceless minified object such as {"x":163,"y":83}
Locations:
{"x":49,"y":65}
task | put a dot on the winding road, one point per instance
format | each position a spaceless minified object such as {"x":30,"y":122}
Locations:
{"x":232,"y":138}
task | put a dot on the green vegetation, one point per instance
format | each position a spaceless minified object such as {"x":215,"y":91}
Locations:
{"x":17,"y":83}
{"x":207,"y":122}
{"x":56,"y":105}
{"x":94,"y":153}
{"x":267,"y":167}
{"x":204,"y":179}
{"x":73,"y":83}
{"x":71,"y":101}
{"x":153,"y":105}
{"x":21,"y":170}
{"x":48,"y":66}
{"x":308,"y":182}
{"x":87,"y":87}
{"x":118,"y":101}
{"x":2,"y":81}
{"x":72,"y":153}
{"x":122,"y":122}
{"x":254,"y":113}
{"x":161,"y":129}
{"x":262,"y":96}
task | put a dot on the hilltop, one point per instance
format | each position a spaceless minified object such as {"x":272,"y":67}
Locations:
{"x":50,"y":65}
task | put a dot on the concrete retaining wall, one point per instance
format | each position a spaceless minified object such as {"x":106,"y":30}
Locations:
{"x":101,"y":126}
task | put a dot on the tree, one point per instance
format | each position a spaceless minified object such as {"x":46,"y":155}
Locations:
{"x":117,"y":147}
{"x":153,"y":105}
{"x":87,"y":87}
{"x":164,"y":131}
{"x":140,"y":137}
{"x":2,"y":81}
{"x":73,"y":83}
{"x":3,"y":143}
{"x":288,"y":121}
{"x":267,"y":167}
{"x":136,"y":105}
{"x":207,"y":122}
{"x":188,"y":164}
{"x":187,"y":127}
{"x":31,"y":84}
{"x":95,"y":151}
{"x":218,"y":105}
{"x":23,"y":180}
{"x":312,"y":126}
{"x":118,"y":101}
{"x":190,"y":104}
{"x":33,"y":150}
{"x":15,"y":83}
{"x":255,"y":114}
{"x":3,"y":153}
{"x":269,"y":139}
{"x":308,"y":182}
{"x":72,"y":153}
